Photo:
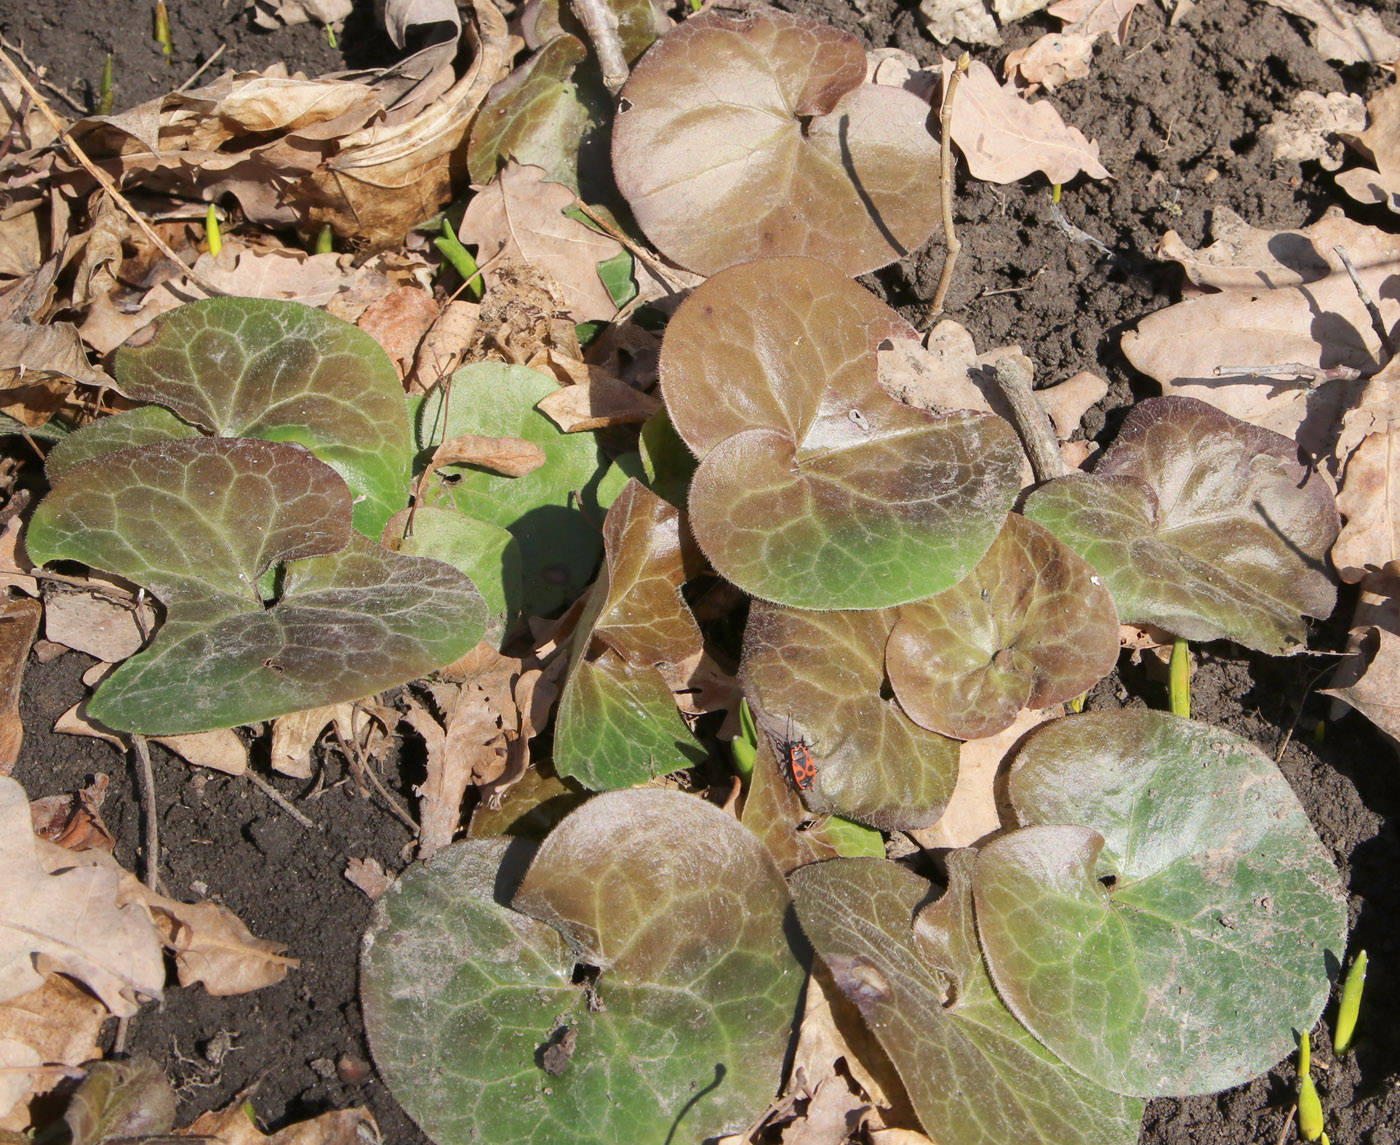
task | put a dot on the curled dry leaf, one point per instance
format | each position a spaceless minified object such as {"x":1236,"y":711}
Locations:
{"x":508,"y":456}
{"x":1379,"y":144}
{"x":295,"y":734}
{"x":1342,"y":35}
{"x":1005,"y":138}
{"x":19,"y":622}
{"x":1312,"y":126}
{"x":57,"y":1023}
{"x":597,"y":403}
{"x":1052,"y":60}
{"x":212,"y":946}
{"x":966,"y":21}
{"x":38,"y":366}
{"x":1369,"y":500}
{"x":398,"y":322}
{"x":368,"y":876}
{"x":233,"y":1126}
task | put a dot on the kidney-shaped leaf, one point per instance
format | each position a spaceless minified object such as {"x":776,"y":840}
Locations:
{"x":484,"y":1037}
{"x":198,"y":521}
{"x":618,"y":723}
{"x":1173,"y":939}
{"x":1202,"y":524}
{"x":815,"y":487}
{"x":973,"y":1073}
{"x":1031,"y":626}
{"x":817,"y":677}
{"x":282,"y":371}
{"x":753,"y":136}
{"x":559,"y":544}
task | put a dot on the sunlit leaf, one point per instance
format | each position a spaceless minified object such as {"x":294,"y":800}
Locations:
{"x":468,"y":1003}
{"x":618,"y":724}
{"x":198,"y":522}
{"x":755,"y":136}
{"x":817,"y":676}
{"x":281,"y":371}
{"x":558,"y":537}
{"x":815,"y":487}
{"x":1030,"y":627}
{"x":1176,"y":936}
{"x":974,"y":1074}
{"x":1201,"y":524}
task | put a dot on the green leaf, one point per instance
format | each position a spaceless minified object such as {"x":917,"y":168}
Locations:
{"x":559,"y":540}
{"x":816,"y":676}
{"x":1174,"y":937}
{"x":198,"y":522}
{"x":669,"y":465}
{"x":616,"y":273}
{"x":972,"y":1072}
{"x":487,"y":554}
{"x":1202,"y":524}
{"x":540,"y":115}
{"x":755,"y":136}
{"x":1030,"y":627}
{"x":618,"y":724}
{"x":145,"y":425}
{"x":816,"y":489}
{"x":463,"y":996}
{"x":121,"y":1101}
{"x":281,"y":371}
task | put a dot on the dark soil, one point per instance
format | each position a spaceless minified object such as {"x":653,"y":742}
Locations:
{"x":1177,"y":112}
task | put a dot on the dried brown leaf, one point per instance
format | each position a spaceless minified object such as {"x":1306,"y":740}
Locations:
{"x":966,"y":21}
{"x":294,"y":735}
{"x":57,"y":1023}
{"x":19,"y":621}
{"x":511,"y":456}
{"x":233,"y":1126}
{"x":219,"y":750}
{"x":1369,"y":500}
{"x":38,"y":366}
{"x":398,"y":322}
{"x":368,"y":876}
{"x":212,"y":946}
{"x":1313,"y":126}
{"x":1052,"y":60}
{"x":1380,"y":145}
{"x":1342,"y":35}
{"x":444,"y":347}
{"x":1095,"y":17}
{"x":597,"y":403}
{"x":95,"y":624}
{"x":1369,"y":679}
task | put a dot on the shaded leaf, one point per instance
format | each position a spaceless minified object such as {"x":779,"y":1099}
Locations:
{"x":1212,"y":940}
{"x":559,"y":544}
{"x":789,"y":153}
{"x":121,"y":1099}
{"x":541,"y":115}
{"x":198,"y":522}
{"x":972,"y":1071}
{"x":1031,"y":626}
{"x":1202,"y":524}
{"x":817,"y":676}
{"x":815,"y":488}
{"x":463,"y":995}
{"x":618,"y":724}
{"x":281,"y":371}
{"x":145,"y":425}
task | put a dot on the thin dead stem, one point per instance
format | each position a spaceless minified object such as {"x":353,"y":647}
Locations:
{"x":950,"y":234}
{"x":146,"y":781}
{"x":1032,"y":422}
{"x":600,"y":22}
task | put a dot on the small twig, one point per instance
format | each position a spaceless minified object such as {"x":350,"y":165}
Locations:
{"x":399,"y":813}
{"x":1032,"y":422}
{"x":11,"y":139}
{"x":1377,"y":322}
{"x":18,"y":50}
{"x":276,"y":796}
{"x":945,"y":174}
{"x":1075,"y":233}
{"x":985,"y":293}
{"x":600,"y":22}
{"x":146,"y":781}
{"x":1287,"y":1124}
{"x":1315,"y":375}
{"x":219,"y":51}
{"x":105,"y":181}
{"x":1298,"y":713}
{"x":639,"y":252}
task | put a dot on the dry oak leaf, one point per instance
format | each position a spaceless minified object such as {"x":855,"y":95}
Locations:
{"x":1369,"y":500}
{"x":295,"y":734}
{"x":38,"y":366}
{"x":398,"y":322}
{"x":19,"y":621}
{"x":966,"y":21}
{"x":1379,"y":145}
{"x":69,"y":921}
{"x":233,"y":1126}
{"x":520,"y":216}
{"x":1312,"y":128}
{"x":1369,"y":679}
{"x":1095,"y":17}
{"x":219,"y":750}
{"x":1052,"y":60}
{"x":57,"y":1023}
{"x":95,"y":624}
{"x":1341,"y":35}
{"x":211,"y":945}
{"x":597,"y":403}
{"x":1005,"y":138}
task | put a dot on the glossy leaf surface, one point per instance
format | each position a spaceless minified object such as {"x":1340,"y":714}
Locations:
{"x":1172,"y":939}
{"x":1202,"y":524}
{"x":198,"y":522}
{"x":815,"y":488}
{"x":913,"y":969}
{"x":1030,"y":627}
{"x":816,"y":676}
{"x":698,"y":990}
{"x":281,"y":371}
{"x":755,"y":136}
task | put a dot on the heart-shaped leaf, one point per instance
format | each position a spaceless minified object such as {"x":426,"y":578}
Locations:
{"x":816,"y":677}
{"x":281,"y":371}
{"x":1175,"y":937}
{"x":972,"y":1072}
{"x":1202,"y":524}
{"x":541,"y":116}
{"x":1031,"y":626}
{"x":198,"y":522}
{"x":478,"y":1022}
{"x":815,"y":487}
{"x":755,"y":136}
{"x":558,"y":535}
{"x":618,"y":724}
{"x":144,"y":425}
